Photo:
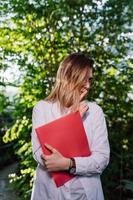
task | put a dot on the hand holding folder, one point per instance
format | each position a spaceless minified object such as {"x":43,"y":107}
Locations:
{"x":67,"y":135}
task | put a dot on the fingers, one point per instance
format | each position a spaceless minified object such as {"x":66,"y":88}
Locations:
{"x":83,"y":104}
{"x":53,"y":150}
{"x":48,"y":163}
{"x":44,"y":157}
{"x":83,"y":94}
{"x":83,"y":108}
{"x":44,"y":161}
{"x":49,"y":147}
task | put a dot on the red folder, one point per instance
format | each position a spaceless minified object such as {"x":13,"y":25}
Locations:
{"x":67,"y":135}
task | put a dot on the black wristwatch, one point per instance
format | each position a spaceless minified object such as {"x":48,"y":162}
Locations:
{"x":72,"y":168}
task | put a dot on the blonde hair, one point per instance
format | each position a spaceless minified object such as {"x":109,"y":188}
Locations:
{"x":70,"y":77}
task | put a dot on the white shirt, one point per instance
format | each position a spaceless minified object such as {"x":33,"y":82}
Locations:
{"x":86,"y":185}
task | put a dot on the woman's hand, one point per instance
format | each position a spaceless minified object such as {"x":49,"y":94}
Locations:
{"x":83,"y":108}
{"x":83,"y":105}
{"x":55,"y":161}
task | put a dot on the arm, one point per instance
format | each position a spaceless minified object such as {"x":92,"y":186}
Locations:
{"x":100,"y":151}
{"x":37,"y":120}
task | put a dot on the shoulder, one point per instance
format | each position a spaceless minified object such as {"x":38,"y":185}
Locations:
{"x":94,"y":108}
{"x":96,"y":114}
{"x":40,"y":105}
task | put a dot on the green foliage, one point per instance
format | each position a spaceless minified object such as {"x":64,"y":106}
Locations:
{"x":5,"y":122}
{"x":23,"y":179}
{"x":36,"y":36}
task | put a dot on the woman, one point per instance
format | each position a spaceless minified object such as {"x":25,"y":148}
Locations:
{"x":72,"y":83}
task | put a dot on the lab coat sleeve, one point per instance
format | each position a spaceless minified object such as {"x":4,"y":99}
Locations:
{"x":37,"y":120}
{"x":100,"y":151}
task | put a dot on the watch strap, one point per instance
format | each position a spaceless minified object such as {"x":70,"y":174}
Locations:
{"x":72,"y":165}
{"x":73,"y":162}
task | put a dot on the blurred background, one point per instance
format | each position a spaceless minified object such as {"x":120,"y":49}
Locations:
{"x":35,"y":35}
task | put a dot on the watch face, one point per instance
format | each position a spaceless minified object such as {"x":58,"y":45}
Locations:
{"x":72,"y":170}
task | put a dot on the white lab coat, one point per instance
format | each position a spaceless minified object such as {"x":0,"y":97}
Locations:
{"x":87,"y":184}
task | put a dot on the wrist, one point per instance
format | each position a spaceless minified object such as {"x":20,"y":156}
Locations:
{"x":67,"y":163}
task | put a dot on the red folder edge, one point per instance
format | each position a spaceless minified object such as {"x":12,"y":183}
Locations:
{"x":61,"y":177}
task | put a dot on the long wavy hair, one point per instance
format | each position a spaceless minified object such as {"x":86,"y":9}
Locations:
{"x":70,"y":77}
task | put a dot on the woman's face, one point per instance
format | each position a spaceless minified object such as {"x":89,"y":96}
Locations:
{"x":87,"y":83}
